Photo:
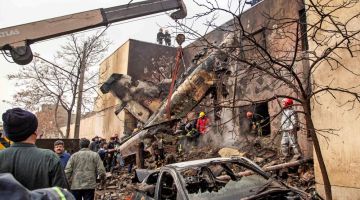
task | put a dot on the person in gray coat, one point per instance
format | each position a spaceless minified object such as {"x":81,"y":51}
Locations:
{"x":82,"y":170}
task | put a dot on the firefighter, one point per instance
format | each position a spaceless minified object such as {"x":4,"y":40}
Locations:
{"x":12,"y":189}
{"x":289,"y":128}
{"x":254,"y":123}
{"x":192,"y":134}
{"x":202,"y":123}
{"x":250,"y":123}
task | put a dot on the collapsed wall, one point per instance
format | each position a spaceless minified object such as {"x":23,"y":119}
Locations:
{"x":249,"y":89}
{"x":240,"y":88}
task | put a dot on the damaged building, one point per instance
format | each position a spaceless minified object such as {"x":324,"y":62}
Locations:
{"x":140,"y":60}
{"x":149,"y":62}
{"x":258,"y":88}
{"x":239,"y":89}
{"x":251,"y":90}
{"x":51,"y":119}
{"x":338,"y":111}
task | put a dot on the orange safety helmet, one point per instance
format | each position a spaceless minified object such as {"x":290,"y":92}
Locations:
{"x":249,"y":114}
{"x":287,"y":102}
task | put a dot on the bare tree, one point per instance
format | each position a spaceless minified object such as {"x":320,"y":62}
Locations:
{"x":161,"y":69}
{"x":57,"y":82}
{"x":274,"y":45}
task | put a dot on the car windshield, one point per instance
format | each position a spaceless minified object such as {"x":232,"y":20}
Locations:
{"x":222,"y":181}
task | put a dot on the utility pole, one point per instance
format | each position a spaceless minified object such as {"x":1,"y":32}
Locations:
{"x":80,"y":92}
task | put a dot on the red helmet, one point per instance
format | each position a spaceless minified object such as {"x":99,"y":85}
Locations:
{"x":287,"y":102}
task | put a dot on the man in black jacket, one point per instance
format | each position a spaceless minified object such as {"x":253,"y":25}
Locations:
{"x":167,"y":38}
{"x":95,"y":144}
{"x":160,"y":36}
{"x":33,"y":167}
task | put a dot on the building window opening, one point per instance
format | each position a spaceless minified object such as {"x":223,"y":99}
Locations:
{"x":255,"y":119}
{"x":303,"y":30}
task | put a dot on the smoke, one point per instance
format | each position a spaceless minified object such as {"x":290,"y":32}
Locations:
{"x":221,"y":133}
{"x":230,"y":129}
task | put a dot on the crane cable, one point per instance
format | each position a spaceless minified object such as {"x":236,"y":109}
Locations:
{"x":179,"y":55}
{"x":178,"y":59}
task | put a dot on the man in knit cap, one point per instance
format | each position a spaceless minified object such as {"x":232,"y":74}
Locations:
{"x":33,"y":167}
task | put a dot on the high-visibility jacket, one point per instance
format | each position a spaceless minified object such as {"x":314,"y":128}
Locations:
{"x":14,"y":190}
{"x":4,"y":143}
{"x":202,"y":124}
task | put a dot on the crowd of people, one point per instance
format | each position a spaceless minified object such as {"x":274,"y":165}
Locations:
{"x":23,"y":165}
{"x":29,"y":169}
{"x":108,"y":152}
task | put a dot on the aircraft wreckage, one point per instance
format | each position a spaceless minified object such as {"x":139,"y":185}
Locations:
{"x":144,"y":99}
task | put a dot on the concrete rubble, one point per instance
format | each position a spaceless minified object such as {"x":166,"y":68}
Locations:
{"x":160,"y":118}
{"x":298,"y":174}
{"x":228,"y":152}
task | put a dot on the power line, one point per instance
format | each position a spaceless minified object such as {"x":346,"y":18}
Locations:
{"x":5,"y":56}
{"x":54,"y":65}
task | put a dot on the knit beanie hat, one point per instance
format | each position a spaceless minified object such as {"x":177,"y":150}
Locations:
{"x":19,"y":124}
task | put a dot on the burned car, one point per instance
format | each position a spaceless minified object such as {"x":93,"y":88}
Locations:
{"x":215,"y":178}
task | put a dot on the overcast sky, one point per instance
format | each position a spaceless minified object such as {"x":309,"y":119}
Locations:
{"x":17,"y":12}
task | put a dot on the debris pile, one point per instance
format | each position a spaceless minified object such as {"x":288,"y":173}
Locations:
{"x":118,"y":185}
{"x":298,"y":174}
